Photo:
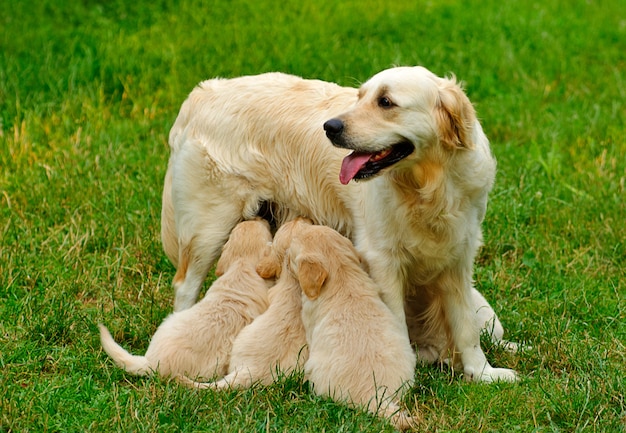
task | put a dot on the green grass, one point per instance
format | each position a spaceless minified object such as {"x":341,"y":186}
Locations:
{"x":88,"y":92}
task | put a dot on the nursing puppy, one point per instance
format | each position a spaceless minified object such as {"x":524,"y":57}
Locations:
{"x":359,"y":351}
{"x":197,"y":342}
{"x":275,"y":342}
{"x":401,"y":166}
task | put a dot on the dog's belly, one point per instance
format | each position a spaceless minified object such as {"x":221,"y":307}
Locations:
{"x":283,"y":210}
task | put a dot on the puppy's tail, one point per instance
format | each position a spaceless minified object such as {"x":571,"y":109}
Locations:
{"x":137,"y":365}
{"x":232,"y":380}
{"x":190,"y":383}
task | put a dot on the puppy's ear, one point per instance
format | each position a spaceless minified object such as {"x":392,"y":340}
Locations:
{"x":454,"y":115}
{"x":311,"y":274}
{"x":269,"y":266}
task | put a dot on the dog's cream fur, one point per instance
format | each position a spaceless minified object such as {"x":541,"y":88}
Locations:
{"x":359,"y":351}
{"x":240,"y":142}
{"x":275,"y":342}
{"x":197,"y":342}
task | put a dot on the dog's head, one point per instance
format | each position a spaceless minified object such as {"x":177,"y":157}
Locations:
{"x":271,"y":264}
{"x":315,"y":253}
{"x":249,"y":239}
{"x":399,"y":113}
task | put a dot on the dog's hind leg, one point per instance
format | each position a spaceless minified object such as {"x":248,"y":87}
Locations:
{"x":200,"y":243}
{"x":168,"y":225}
{"x":205,"y":213}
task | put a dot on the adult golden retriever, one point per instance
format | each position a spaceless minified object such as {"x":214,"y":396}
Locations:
{"x":406,"y":178}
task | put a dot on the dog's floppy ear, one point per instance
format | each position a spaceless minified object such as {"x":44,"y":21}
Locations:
{"x":455,"y":115}
{"x":311,"y":274}
{"x":269,"y":266}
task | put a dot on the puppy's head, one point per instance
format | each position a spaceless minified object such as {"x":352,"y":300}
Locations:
{"x":271,"y":264}
{"x":315,"y":253}
{"x":399,"y":113}
{"x":249,"y":240}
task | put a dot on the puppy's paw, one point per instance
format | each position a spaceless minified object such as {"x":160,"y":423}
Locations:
{"x":513,"y":347}
{"x":489,"y":374}
{"x":428,"y":354}
{"x":400,"y":419}
{"x":403,"y":421}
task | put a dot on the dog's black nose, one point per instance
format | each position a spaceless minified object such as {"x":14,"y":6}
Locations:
{"x":333,"y":128}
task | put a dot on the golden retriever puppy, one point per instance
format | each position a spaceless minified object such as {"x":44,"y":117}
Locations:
{"x":401,"y":166}
{"x":359,"y":351}
{"x":197,"y":342}
{"x":275,"y":342}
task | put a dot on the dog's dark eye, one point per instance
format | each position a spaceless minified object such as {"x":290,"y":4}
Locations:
{"x":384,"y":102}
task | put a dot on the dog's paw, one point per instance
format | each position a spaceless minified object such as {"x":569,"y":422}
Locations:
{"x":489,"y":374}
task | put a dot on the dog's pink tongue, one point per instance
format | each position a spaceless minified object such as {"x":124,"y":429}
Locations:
{"x":351,"y":165}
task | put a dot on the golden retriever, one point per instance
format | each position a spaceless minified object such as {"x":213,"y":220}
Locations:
{"x":197,"y":342}
{"x":359,"y":351}
{"x":406,"y":178}
{"x":275,"y":342}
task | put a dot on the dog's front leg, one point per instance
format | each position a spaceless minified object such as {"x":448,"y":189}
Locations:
{"x":465,"y":330}
{"x":387,"y":276}
{"x":490,"y":324}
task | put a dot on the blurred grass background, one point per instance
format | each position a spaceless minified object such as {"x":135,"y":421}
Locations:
{"x":88,"y":92}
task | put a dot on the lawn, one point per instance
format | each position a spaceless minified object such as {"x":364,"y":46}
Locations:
{"x":88,"y":92}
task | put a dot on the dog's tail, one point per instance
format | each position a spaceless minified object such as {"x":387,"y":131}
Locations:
{"x":133,"y":364}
